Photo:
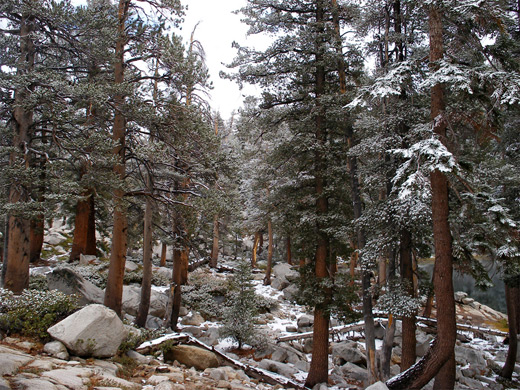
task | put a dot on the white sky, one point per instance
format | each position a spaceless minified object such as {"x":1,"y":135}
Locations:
{"x":217,"y":29}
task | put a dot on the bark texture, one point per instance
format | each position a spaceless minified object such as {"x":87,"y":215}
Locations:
{"x":214,"y":250}
{"x":409,"y":325}
{"x":16,"y":263}
{"x":439,"y":362}
{"x":267,"y":278}
{"x":114,"y":289}
{"x":146,"y":283}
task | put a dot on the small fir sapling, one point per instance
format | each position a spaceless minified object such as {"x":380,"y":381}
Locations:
{"x":241,"y":311}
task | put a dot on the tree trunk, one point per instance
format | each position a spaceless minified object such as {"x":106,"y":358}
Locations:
{"x":38,"y":223}
{"x":116,"y":270}
{"x":386,"y":349}
{"x":36,"y":238}
{"x":163,"y":255}
{"x":214,"y":250}
{"x":16,"y":264}
{"x":146,"y":284}
{"x":318,"y":372}
{"x":257,"y":238}
{"x":440,"y":359}
{"x":512,"y":297}
{"x":267,"y":278}
{"x":177,"y":296}
{"x":288,"y":248}
{"x":81,"y":226}
{"x":409,"y":341}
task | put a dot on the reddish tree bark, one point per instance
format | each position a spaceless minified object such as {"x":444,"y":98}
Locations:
{"x":318,"y":372}
{"x":116,"y":270}
{"x":163,"y":255}
{"x":16,"y":264}
{"x":256,"y":243}
{"x":439,"y":362}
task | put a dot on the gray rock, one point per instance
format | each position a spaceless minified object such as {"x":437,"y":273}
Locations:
{"x":210,"y":336}
{"x":307,"y":346}
{"x":132,"y":297}
{"x":280,"y":355}
{"x":320,"y":386}
{"x":86,"y":259}
{"x":165,"y":272}
{"x":54,"y":238}
{"x":153,"y":322}
{"x":291,"y":328}
{"x":94,"y":331}
{"x":4,"y":385}
{"x":192,"y":356}
{"x":130,"y":266}
{"x":459,"y":296}
{"x":193,"y":330}
{"x":279,"y":283}
{"x":33,"y":383}
{"x":284,"y":270}
{"x":57,"y":350}
{"x":465,"y":355}
{"x":277,"y":367}
{"x":217,"y":374}
{"x":352,"y":371}
{"x":377,"y":386}
{"x":423,"y":343}
{"x":194,"y":319}
{"x":347,"y":352}
{"x":141,"y":359}
{"x":70,"y":282}
{"x":467,"y":301}
{"x":305,"y":323}
{"x":11,"y":362}
{"x":290,"y":292}
{"x":71,"y":377}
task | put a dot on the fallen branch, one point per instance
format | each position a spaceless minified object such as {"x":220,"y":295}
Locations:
{"x":359,"y":326}
{"x":254,"y":372}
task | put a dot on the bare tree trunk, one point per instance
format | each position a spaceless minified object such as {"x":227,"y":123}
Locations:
{"x":116,"y":270}
{"x":38,"y":223}
{"x":288,"y":248}
{"x":16,"y":264}
{"x":146,"y":284}
{"x":512,"y":297}
{"x":440,"y":359}
{"x":214,"y":250}
{"x":81,"y":227}
{"x":267,"y":278}
{"x":258,"y":236}
{"x":163,"y":255}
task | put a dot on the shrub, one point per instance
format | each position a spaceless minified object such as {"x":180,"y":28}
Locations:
{"x":38,"y":282}
{"x":33,"y":312}
{"x":204,"y":294}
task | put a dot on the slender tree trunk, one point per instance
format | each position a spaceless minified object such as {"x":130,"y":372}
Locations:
{"x":439,"y":361}
{"x":512,"y":297}
{"x":16,"y":264}
{"x":38,"y":223}
{"x":146,"y":284}
{"x":177,"y":282}
{"x":409,"y":341}
{"x":288,"y":248}
{"x":267,"y":278}
{"x":214,"y":250}
{"x":163,"y":254}
{"x":257,"y":238}
{"x":116,"y":270}
{"x":81,"y":227}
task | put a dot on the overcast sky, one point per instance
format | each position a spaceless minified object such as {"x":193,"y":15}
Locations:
{"x":218,"y":28}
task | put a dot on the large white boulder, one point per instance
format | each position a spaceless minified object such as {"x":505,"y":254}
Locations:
{"x":94,"y":331}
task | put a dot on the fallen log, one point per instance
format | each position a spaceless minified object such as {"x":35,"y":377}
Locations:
{"x":359,"y":326}
{"x":254,"y":372}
